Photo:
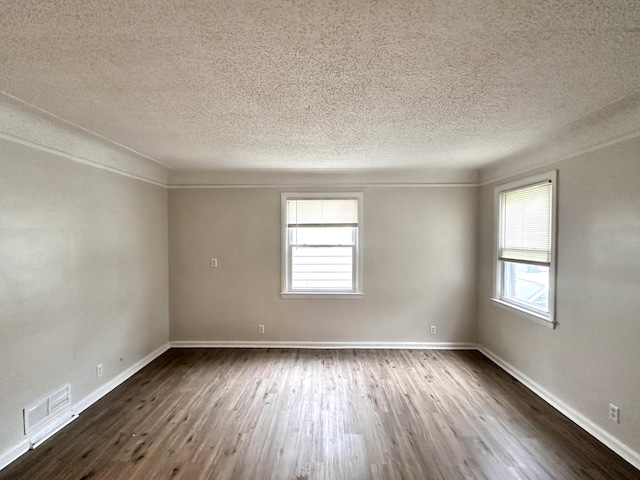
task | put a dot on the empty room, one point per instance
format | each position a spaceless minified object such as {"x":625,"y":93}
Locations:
{"x":282,"y":239}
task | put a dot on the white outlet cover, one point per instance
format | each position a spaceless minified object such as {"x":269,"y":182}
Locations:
{"x":614,"y":413}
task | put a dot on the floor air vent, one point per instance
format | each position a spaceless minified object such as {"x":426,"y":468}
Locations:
{"x":48,"y":415}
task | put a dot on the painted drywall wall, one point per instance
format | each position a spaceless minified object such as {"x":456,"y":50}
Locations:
{"x":592,"y":358}
{"x":83,"y":277}
{"x":419,"y":247}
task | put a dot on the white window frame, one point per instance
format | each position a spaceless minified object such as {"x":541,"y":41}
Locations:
{"x":285,"y":292}
{"x":515,"y":307}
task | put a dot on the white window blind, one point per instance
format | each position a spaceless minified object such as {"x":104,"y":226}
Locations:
{"x":525,"y":226}
{"x":341,"y":212}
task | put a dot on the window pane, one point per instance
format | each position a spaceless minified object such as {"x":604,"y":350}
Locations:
{"x":322,"y":236}
{"x":526,"y":284}
{"x":320,"y":268}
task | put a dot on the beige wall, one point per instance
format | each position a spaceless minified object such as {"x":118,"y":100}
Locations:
{"x":593,"y":357}
{"x":87,"y":275}
{"x":83,"y":278}
{"x":419,"y":269}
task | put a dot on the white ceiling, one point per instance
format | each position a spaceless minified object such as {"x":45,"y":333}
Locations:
{"x":357,"y":84}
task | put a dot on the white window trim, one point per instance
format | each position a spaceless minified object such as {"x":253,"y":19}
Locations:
{"x":548,"y":321}
{"x":284,"y":293}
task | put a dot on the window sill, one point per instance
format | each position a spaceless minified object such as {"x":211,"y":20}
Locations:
{"x":525,"y":313}
{"x":323,"y":295}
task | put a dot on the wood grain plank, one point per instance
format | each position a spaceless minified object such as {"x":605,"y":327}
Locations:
{"x":279,"y":414}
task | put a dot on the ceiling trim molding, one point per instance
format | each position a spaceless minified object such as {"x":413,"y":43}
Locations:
{"x":75,"y":158}
{"x":598,"y":129}
{"x":30,"y":126}
{"x":329,"y":185}
{"x":577,"y":153}
{"x":85,"y":130}
{"x":296,"y":185}
{"x":323,"y":178}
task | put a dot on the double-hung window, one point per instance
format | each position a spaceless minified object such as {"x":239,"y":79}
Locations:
{"x":321,"y":241}
{"x":525,"y":247}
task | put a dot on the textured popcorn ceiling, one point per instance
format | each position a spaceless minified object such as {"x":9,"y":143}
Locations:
{"x":322,"y":84}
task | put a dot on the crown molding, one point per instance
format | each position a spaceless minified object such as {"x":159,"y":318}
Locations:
{"x":86,"y":130}
{"x":325,"y":186}
{"x":577,"y":153}
{"x":324,"y":178}
{"x":617,"y":122}
{"x":30,"y":126}
{"x":77,"y":159}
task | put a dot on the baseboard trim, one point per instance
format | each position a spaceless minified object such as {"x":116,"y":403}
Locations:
{"x":20,"y":448}
{"x":96,"y":395}
{"x":328,"y":345}
{"x":605,"y":437}
{"x":14,"y":452}
{"x":50,"y":430}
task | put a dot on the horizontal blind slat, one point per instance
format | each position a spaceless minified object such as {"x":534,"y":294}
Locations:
{"x":322,"y":212}
{"x":525,"y":226}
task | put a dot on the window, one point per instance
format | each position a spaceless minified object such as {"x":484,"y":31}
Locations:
{"x":525,"y":247}
{"x":321,"y":244}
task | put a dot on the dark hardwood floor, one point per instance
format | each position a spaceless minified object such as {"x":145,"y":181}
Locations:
{"x":321,"y":414}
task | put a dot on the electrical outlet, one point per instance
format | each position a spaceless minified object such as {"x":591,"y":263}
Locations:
{"x":214,"y":262}
{"x":260,"y":328}
{"x":99,"y":370}
{"x":614,"y":413}
{"x":433,"y":329}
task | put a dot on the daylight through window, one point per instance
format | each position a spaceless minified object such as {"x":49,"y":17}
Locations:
{"x":524,"y":269}
{"x":322,"y":243}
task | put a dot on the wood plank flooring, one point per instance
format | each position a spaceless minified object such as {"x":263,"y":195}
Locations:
{"x":321,"y":414}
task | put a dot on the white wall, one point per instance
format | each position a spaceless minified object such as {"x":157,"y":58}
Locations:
{"x":592,"y":358}
{"x":419,"y":269}
{"x":83,"y":277}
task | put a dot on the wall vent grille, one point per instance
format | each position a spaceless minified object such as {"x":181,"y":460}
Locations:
{"x":47,"y":409}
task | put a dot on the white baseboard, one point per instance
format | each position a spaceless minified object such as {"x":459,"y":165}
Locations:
{"x":96,"y":395}
{"x":14,"y":452}
{"x":25,"y":444}
{"x":50,"y":430}
{"x":605,"y":437}
{"x":329,"y":345}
